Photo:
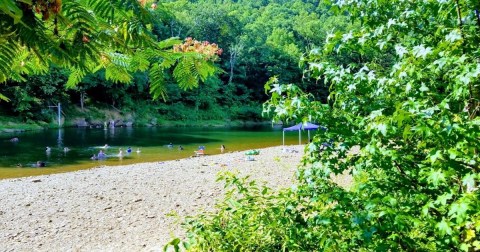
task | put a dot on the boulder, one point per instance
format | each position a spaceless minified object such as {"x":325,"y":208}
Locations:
{"x":81,"y":123}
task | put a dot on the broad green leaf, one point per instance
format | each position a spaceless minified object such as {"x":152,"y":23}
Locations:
{"x":436,"y":177}
{"x":444,"y":228}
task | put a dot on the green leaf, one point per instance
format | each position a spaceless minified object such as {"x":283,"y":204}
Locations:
{"x":11,"y":9}
{"x":442,"y":199}
{"x":464,"y":247}
{"x":436,"y":177}
{"x":75,"y":77}
{"x":459,"y":210}
{"x":437,"y":156}
{"x":469,"y":181}
{"x":169,"y":43}
{"x":444,"y":228}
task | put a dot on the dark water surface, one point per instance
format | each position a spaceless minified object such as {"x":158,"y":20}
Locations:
{"x":18,"y":158}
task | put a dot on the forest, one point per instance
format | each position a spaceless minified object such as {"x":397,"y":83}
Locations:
{"x":258,"y":40}
{"x":395,"y":83}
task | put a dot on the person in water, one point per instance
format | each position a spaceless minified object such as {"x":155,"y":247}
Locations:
{"x":101,"y":155}
{"x":222,"y":148}
{"x":40,"y":164}
{"x":94,"y":157}
{"x":48,"y":149}
{"x":129,"y":150}
{"x":180,"y":147}
{"x":170,"y":145}
{"x":14,"y":140}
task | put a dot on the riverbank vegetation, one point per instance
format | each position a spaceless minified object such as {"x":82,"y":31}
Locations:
{"x":397,"y":80}
{"x":257,"y":40}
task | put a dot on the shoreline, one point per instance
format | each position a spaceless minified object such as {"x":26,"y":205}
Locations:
{"x":8,"y":132}
{"x":124,"y":208}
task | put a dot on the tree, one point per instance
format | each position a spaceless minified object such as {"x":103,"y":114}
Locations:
{"x":88,"y":35}
{"x":31,"y":101}
{"x":414,"y":115}
{"x":403,"y":116}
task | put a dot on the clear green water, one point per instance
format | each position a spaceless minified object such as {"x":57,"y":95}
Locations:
{"x":17,"y":159}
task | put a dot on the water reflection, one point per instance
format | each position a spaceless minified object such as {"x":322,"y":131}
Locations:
{"x":112,"y":132}
{"x":151,"y":144}
{"x":60,"y":138}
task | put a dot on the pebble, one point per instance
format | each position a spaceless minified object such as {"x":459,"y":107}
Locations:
{"x":92,"y":210}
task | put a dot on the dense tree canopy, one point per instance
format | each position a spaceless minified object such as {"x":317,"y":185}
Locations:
{"x":259,"y":40}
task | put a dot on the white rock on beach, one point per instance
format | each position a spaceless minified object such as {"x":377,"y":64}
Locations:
{"x":124,"y":208}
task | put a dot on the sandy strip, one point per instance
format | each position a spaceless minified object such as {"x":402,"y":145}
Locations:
{"x":124,"y":208}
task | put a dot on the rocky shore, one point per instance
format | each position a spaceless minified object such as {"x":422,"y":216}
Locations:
{"x":124,"y":208}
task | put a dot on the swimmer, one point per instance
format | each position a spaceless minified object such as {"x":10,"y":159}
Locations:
{"x":129,"y":150}
{"x":106,"y":146}
{"x":222,"y":148}
{"x":40,"y":164}
{"x":14,"y":140}
{"x":180,"y":147}
{"x":101,"y":155}
{"x":94,"y":157}
{"x":120,"y":153}
{"x":48,"y":149}
{"x":66,"y":149}
{"x":170,"y":145}
{"x":138,"y":150}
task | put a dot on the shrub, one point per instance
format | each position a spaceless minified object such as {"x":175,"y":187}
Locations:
{"x":403,"y":112}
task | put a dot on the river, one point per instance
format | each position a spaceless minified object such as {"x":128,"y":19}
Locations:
{"x":18,"y":159}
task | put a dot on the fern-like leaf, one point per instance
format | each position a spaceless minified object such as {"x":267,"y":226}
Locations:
{"x":157,"y":85}
{"x":7,"y":56}
{"x":185,"y":73}
{"x":117,"y":73}
{"x":140,"y":62}
{"x":11,"y":9}
{"x":75,"y":77}
{"x":4,"y":98}
{"x":169,"y":43}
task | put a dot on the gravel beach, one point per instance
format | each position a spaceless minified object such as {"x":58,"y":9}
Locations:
{"x":124,"y":208}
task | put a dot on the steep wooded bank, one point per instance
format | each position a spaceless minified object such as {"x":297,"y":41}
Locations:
{"x":258,"y":40}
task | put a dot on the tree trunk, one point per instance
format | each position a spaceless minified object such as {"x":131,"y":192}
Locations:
{"x":233,"y":58}
{"x":82,"y":99}
{"x":235,"y":52}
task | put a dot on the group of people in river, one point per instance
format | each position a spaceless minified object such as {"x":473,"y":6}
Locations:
{"x":102,"y":155}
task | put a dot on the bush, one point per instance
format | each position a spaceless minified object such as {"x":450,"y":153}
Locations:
{"x":250,"y":218}
{"x":247,"y":113}
{"x":403,"y":111}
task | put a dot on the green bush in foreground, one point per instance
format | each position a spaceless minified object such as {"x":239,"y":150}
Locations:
{"x":405,"y":90}
{"x":251,"y":219}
